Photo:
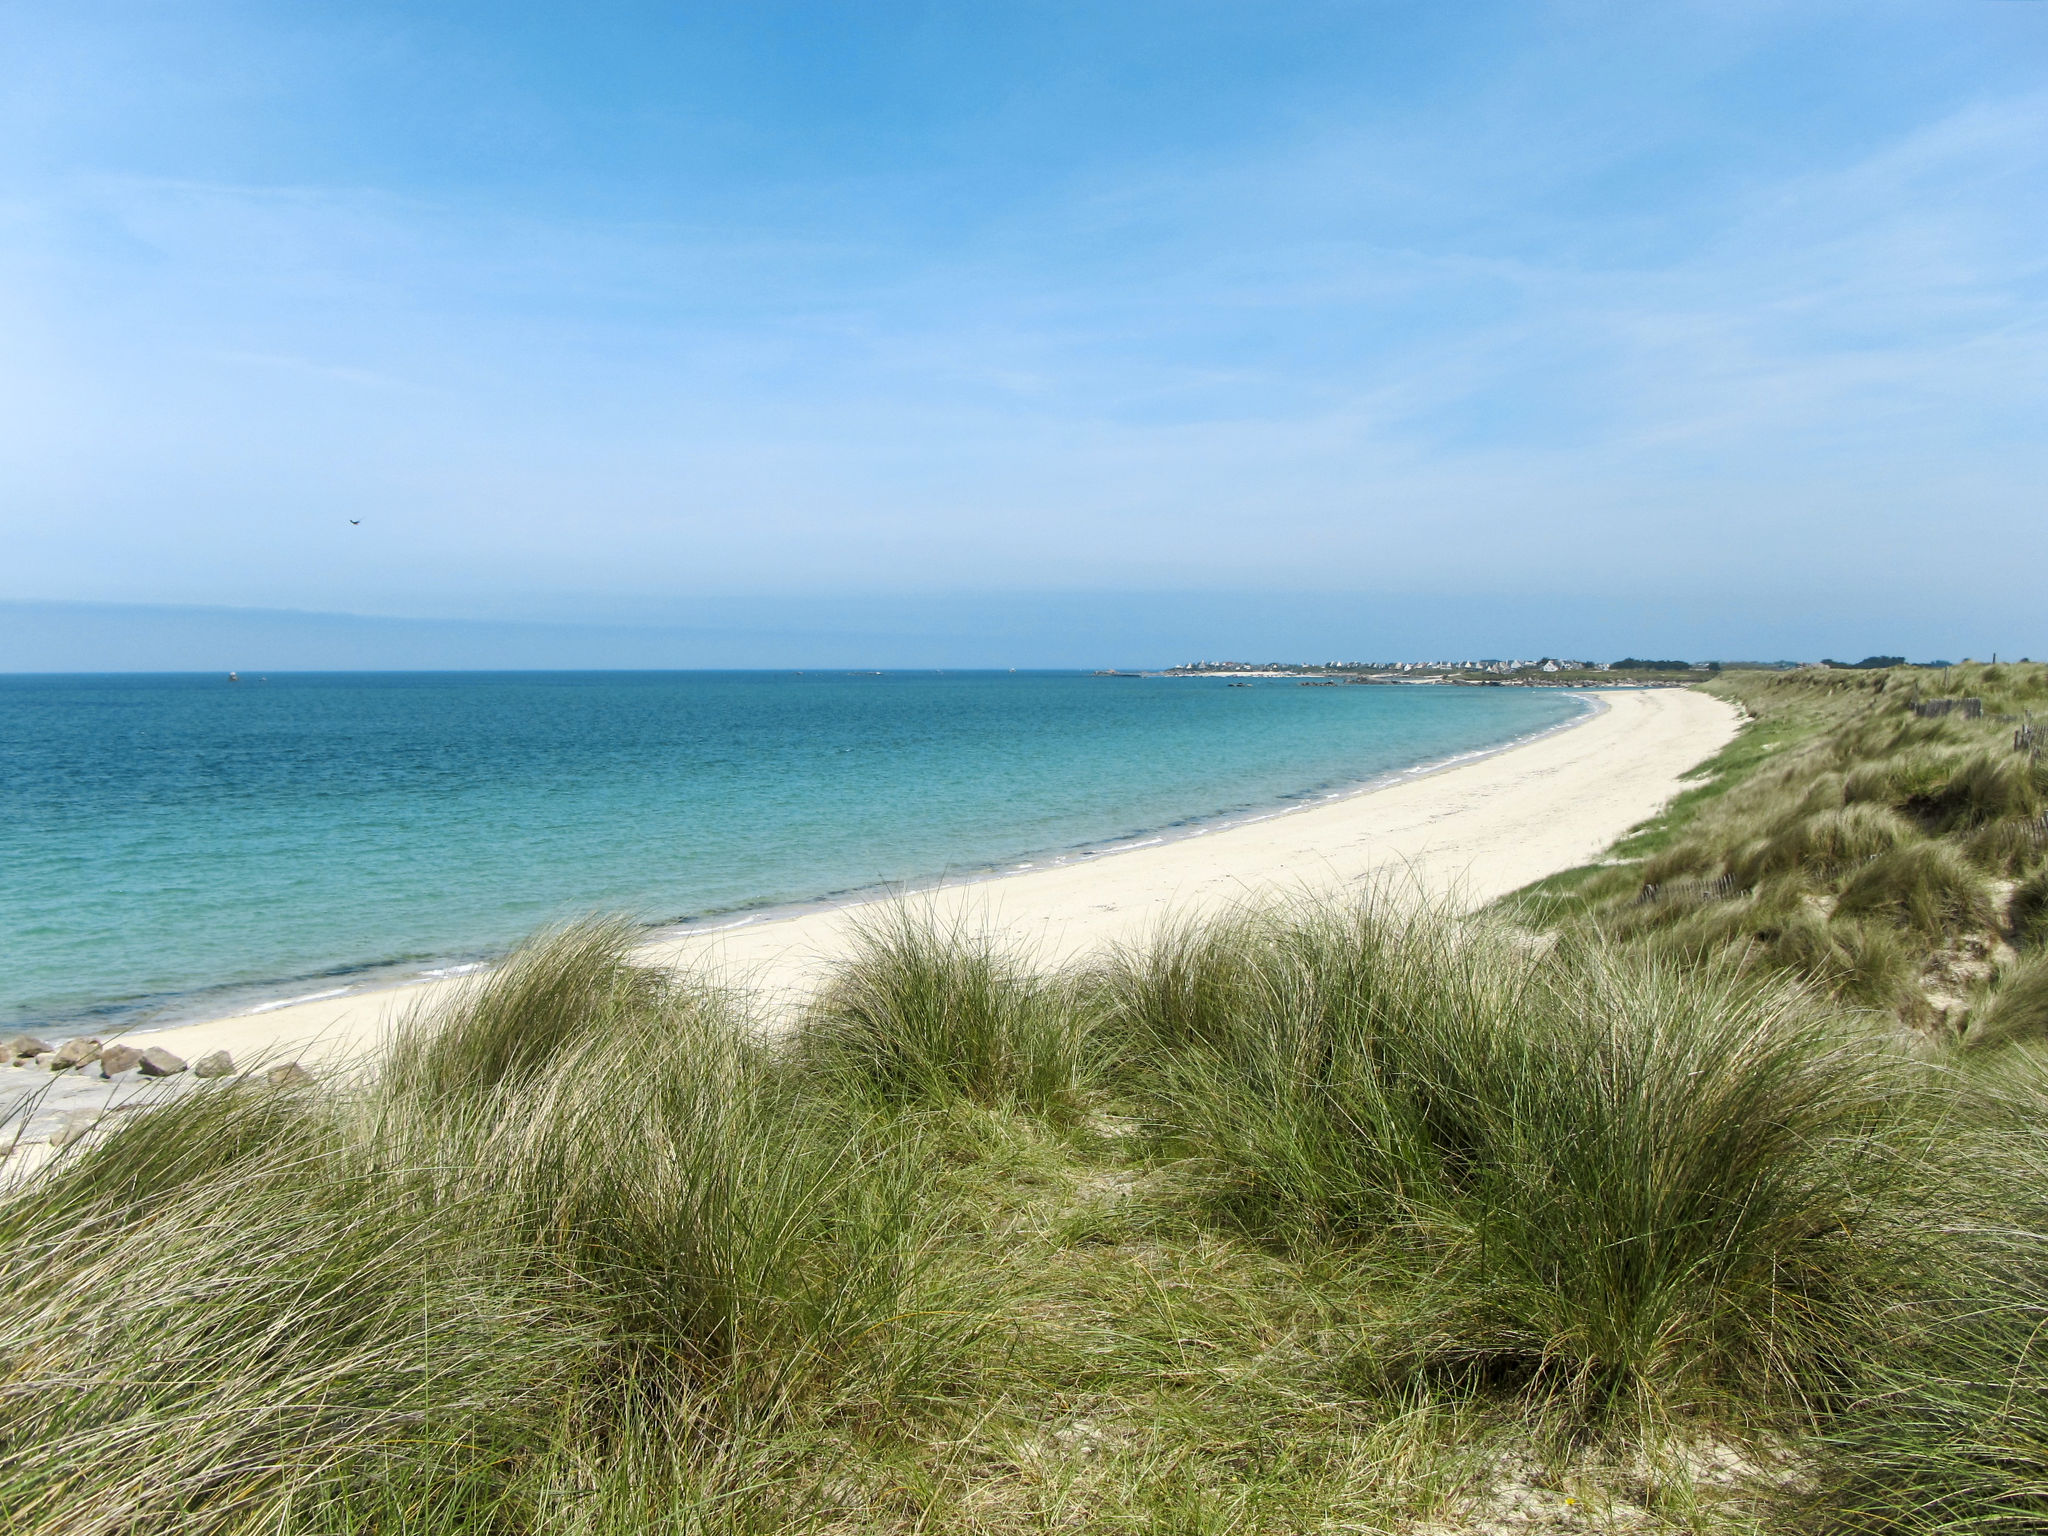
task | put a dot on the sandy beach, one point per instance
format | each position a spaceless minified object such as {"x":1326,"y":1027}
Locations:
{"x":1473,"y":831}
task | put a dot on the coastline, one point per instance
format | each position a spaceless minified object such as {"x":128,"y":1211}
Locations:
{"x":1202,"y":825}
{"x":1475,"y":826}
{"x":153,"y":1016}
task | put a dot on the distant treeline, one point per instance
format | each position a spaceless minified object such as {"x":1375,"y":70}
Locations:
{"x":1637,"y":664}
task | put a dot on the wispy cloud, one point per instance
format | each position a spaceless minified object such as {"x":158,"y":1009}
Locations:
{"x":1566,"y":316}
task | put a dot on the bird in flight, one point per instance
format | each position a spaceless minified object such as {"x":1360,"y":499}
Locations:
{"x":355,"y":522}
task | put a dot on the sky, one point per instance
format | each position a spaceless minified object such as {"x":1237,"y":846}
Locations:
{"x":1020,"y":333}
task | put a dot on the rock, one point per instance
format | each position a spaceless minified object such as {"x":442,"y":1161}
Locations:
{"x":158,"y":1062}
{"x":116,"y":1059}
{"x":288,"y":1074}
{"x":216,"y":1064}
{"x":80,"y":1052}
{"x":76,"y":1124}
{"x":25,"y":1045}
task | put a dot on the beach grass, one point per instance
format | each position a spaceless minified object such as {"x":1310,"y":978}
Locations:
{"x":926,"y":1011}
{"x":579,"y":1223}
{"x":1306,"y":1217}
{"x":1890,"y":857}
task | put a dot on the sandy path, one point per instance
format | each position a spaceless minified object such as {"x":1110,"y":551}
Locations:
{"x":1478,"y":829}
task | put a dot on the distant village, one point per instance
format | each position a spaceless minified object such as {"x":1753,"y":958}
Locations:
{"x":1491,"y":671}
{"x":1630,"y":671}
{"x":1540,"y":664}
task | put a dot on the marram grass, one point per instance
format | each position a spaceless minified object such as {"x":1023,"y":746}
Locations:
{"x":1606,"y":1175}
{"x":581,"y":1223}
{"x":1884,"y":858}
{"x":1305,"y":1218}
{"x":926,"y":1012}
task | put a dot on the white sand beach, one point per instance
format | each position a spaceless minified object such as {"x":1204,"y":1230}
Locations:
{"x":1473,"y":831}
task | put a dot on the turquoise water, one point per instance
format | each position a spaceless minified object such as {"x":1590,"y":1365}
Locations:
{"x":171,"y":845}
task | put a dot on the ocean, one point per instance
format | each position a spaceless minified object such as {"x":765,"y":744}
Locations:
{"x":176,"y":846}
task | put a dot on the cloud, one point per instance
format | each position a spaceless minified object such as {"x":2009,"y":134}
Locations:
{"x":1561,"y":318}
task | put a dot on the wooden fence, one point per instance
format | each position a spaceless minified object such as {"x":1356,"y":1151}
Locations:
{"x":1934,"y":709}
{"x":1693,"y":890}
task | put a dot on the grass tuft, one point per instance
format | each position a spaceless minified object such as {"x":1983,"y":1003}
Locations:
{"x":1930,"y":887}
{"x":2019,"y":1006}
{"x":560,"y":987}
{"x":1625,"y":1180}
{"x":1827,"y":842}
{"x":1945,"y":1431}
{"x":2028,"y":911}
{"x":1841,"y":839}
{"x":591,"y":1224}
{"x":921,"y":1014}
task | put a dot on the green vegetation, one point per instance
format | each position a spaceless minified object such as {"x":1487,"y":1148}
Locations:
{"x":1603,"y":1180}
{"x":1693,"y":1191}
{"x":921,"y":1016}
{"x":575,"y":1246}
{"x":1891,"y":857}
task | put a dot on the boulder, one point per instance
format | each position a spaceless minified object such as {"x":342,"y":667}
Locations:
{"x":75,"y":1125}
{"x":214,"y":1064}
{"x":79,"y":1052}
{"x":158,"y":1062}
{"x":288,"y":1074}
{"x":24,"y":1045}
{"x":116,"y":1059}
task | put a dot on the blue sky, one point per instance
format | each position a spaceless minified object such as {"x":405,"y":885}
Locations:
{"x":1730,"y":318}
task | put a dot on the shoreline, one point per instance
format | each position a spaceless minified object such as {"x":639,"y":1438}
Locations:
{"x":233,"y":1001}
{"x":1476,"y":825}
{"x":1184,"y":830}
